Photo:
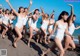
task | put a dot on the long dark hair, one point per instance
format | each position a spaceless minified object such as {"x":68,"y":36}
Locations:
{"x":35,"y":11}
{"x":19,"y":9}
{"x":62,"y":14}
{"x":6,"y":11}
{"x":70,"y":18}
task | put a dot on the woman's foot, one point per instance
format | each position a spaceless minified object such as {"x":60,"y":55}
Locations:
{"x":37,"y":40}
{"x":46,"y":42}
{"x":28,"y":44}
{"x":3,"y":36}
{"x":43,"y":54}
{"x":49,"y":41}
{"x":14,"y":44}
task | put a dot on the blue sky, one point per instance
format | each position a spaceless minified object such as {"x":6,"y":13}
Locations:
{"x":48,"y":5}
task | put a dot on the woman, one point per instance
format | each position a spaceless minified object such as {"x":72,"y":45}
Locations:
{"x":20,"y":23}
{"x":5,"y":22}
{"x":33,"y":24}
{"x":68,"y":39}
{"x":26,"y":10}
{"x":50,"y":27}
{"x":61,"y":27}
{"x":44,"y":26}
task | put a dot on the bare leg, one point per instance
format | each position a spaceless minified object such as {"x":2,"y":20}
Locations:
{"x":31,"y":35}
{"x":69,"y":41}
{"x":4,"y":32}
{"x":19,"y":36}
{"x":59,"y":45}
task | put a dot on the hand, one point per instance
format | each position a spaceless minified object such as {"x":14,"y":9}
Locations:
{"x":70,"y":5}
{"x":31,"y":2}
{"x":7,"y":0}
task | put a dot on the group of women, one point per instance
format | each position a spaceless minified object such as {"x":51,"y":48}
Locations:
{"x":64,"y":26}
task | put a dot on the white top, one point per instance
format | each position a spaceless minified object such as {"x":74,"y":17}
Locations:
{"x":6,"y":20}
{"x":1,"y":17}
{"x":52,"y":21}
{"x":21,"y":22}
{"x":60,"y":31}
{"x":44,"y":24}
{"x":71,"y":29}
{"x":32,"y":23}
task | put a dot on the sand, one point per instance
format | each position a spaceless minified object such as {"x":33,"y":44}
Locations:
{"x":24,"y":50}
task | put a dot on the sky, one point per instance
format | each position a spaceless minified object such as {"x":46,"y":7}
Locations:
{"x":48,"y":5}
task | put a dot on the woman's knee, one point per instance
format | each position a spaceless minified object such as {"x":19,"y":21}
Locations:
{"x":20,"y":36}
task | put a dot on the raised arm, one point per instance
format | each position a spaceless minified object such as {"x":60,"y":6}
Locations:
{"x":30,"y":5}
{"x":51,"y":14}
{"x":72,"y":12}
{"x":12,"y":7}
{"x":77,"y":27}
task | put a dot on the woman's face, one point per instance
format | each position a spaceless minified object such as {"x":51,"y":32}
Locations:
{"x":26,"y":10}
{"x":36,"y":12}
{"x":7,"y":11}
{"x":22,"y":10}
{"x":65,"y":17}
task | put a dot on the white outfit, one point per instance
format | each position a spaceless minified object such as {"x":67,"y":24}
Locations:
{"x":20,"y":22}
{"x":25,"y":20}
{"x":6,"y":20}
{"x":60,"y":31}
{"x":51,"y":26}
{"x":44,"y":25}
{"x":71,"y":29}
{"x":33,"y":24}
{"x":1,"y":17}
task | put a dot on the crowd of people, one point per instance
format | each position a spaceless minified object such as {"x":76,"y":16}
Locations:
{"x":64,"y":26}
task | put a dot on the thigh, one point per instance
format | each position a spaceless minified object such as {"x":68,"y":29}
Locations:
{"x":18,"y":31}
{"x":58,"y":43}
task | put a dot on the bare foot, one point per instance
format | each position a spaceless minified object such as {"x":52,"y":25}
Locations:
{"x":3,"y":36}
{"x":43,"y":54}
{"x":28,"y":44}
{"x":37,"y":40}
{"x":14,"y":44}
{"x":46,"y":42}
{"x":49,"y":41}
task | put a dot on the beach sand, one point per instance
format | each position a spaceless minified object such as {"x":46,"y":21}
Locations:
{"x":24,"y":50}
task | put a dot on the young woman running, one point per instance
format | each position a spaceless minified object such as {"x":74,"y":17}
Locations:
{"x":50,"y":27}
{"x":44,"y":26}
{"x":62,"y":27}
{"x":68,"y":39}
{"x":33,"y":24}
{"x":26,"y":10}
{"x":5,"y":22}
{"x":20,"y":23}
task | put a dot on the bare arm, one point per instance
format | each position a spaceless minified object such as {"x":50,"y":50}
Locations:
{"x":72,"y":13}
{"x":30,"y":5}
{"x":77,"y":27}
{"x":51,"y":14}
{"x":12,"y":7}
{"x":42,"y":13}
